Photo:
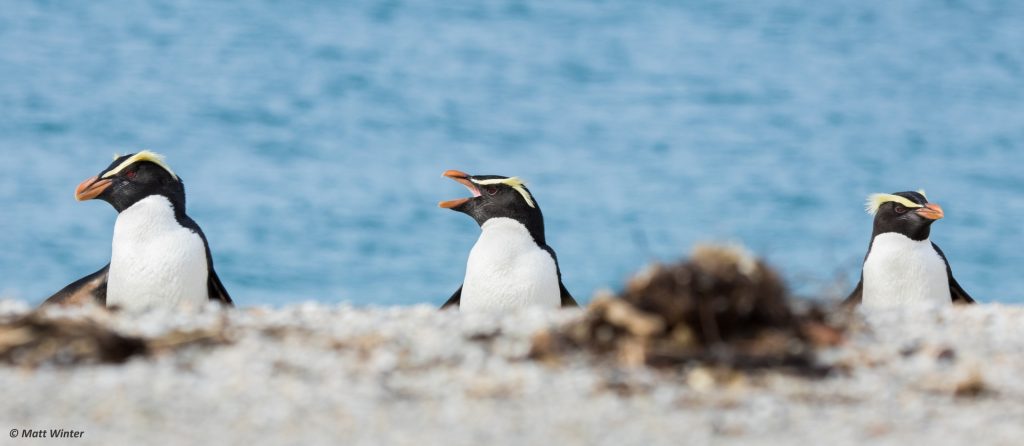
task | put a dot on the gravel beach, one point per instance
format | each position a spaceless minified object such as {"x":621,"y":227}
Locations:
{"x":316,"y":374}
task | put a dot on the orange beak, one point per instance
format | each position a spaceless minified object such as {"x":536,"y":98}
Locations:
{"x":931,"y":211}
{"x":91,"y":188}
{"x":463,"y":179}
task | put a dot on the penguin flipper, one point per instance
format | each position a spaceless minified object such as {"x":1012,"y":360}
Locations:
{"x":89,"y":288}
{"x":856,"y":296}
{"x":567,"y":300}
{"x":216,"y":289}
{"x":955,"y":290}
{"x":454,"y":300}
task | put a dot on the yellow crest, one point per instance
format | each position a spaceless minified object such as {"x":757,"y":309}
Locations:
{"x":514,"y":183}
{"x":144,"y":155}
{"x":876,"y":201}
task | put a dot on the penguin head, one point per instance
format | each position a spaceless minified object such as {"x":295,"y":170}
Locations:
{"x":131,"y":178}
{"x":907,"y":213}
{"x":495,"y":197}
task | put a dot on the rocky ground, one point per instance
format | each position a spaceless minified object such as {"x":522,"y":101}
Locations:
{"x":313,"y":374}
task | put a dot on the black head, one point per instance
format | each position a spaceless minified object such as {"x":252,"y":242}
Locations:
{"x":496,"y":196}
{"x":907,"y":213}
{"x":131,"y":178}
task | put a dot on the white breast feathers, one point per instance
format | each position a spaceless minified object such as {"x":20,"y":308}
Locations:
{"x":507,"y":270}
{"x":156,"y":262}
{"x":900,"y":271}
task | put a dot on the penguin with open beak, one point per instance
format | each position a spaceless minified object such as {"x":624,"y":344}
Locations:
{"x":160,"y":256}
{"x":511,"y":265}
{"x":902,"y":265}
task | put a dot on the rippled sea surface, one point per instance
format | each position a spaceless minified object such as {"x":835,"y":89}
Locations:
{"x":312,"y":135}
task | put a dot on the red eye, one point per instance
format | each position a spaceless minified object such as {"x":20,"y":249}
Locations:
{"x":491,"y":190}
{"x":900,"y":209}
{"x":129,"y":174}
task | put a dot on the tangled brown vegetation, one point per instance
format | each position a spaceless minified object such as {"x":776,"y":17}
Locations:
{"x":722,"y":307}
{"x":38,"y":338}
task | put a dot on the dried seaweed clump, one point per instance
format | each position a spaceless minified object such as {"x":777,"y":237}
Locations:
{"x":34,"y":339}
{"x":723,"y":307}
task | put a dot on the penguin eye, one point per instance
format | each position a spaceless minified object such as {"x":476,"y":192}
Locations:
{"x":900,"y":209}
{"x":491,"y":190}
{"x":129,"y":174}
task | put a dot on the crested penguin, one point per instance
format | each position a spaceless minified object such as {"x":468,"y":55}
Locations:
{"x":510,"y":266}
{"x":159,"y":257}
{"x":902,"y":265}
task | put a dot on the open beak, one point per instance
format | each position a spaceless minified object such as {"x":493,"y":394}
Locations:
{"x":931,"y":211}
{"x":91,"y":188}
{"x":462,"y":178}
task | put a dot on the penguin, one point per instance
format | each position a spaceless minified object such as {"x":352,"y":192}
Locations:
{"x":902,"y":265}
{"x":511,"y":265}
{"x":160,"y":257}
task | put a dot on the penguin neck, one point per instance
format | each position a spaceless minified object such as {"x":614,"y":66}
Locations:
{"x":174,"y":193}
{"x":147,"y":216}
{"x":176,"y":202}
{"x":535,"y":226}
{"x":917,"y":234}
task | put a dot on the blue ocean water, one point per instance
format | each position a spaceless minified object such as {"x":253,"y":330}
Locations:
{"x":312,"y":135}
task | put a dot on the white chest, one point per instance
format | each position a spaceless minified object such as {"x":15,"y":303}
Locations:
{"x":507,"y":271}
{"x":901,"y":271}
{"x":155,"y":262}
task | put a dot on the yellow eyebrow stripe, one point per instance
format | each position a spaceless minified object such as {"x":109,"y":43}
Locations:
{"x":514,"y":183}
{"x":876,"y":201}
{"x":144,"y":155}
